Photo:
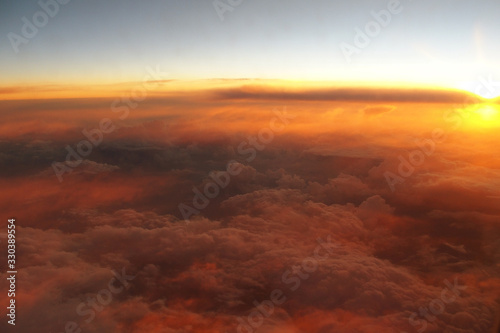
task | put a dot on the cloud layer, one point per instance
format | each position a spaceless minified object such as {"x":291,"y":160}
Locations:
{"x":323,"y":176}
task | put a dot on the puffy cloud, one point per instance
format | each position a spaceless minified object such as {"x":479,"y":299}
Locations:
{"x":322,"y":176}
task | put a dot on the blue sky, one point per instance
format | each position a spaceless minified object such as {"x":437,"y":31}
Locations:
{"x":114,"y":41}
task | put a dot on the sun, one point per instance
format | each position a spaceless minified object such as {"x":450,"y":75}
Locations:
{"x":484,"y":115}
{"x":487,"y":112}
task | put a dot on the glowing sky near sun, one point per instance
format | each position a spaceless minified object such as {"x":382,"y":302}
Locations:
{"x":449,"y":43}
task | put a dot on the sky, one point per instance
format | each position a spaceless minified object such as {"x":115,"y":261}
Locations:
{"x":89,"y":42}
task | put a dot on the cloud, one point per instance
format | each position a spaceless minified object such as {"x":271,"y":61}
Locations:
{"x":343,"y":94}
{"x":322,"y":176}
{"x":378,"y":110}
